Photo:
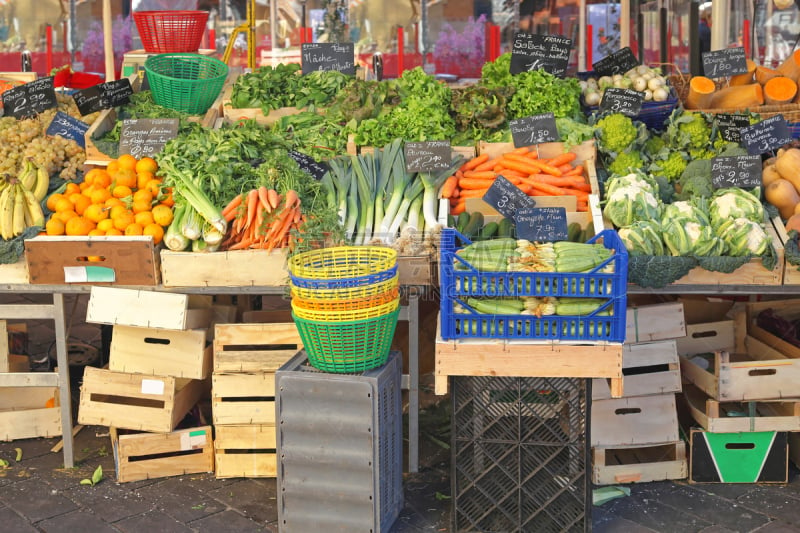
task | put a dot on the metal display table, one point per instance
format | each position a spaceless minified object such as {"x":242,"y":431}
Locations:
{"x":60,"y":379}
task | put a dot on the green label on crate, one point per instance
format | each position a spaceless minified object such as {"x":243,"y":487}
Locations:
{"x":198,"y":433}
{"x":739,"y":457}
{"x":89,"y":274}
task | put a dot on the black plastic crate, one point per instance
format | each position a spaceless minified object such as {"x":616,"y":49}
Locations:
{"x":521,"y":454}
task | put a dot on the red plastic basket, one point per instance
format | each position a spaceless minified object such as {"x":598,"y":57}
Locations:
{"x":170,"y":31}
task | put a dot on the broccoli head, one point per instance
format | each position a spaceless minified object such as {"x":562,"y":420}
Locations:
{"x":688,"y":130}
{"x":626,"y":161}
{"x":696,"y":180}
{"x":616,"y":132}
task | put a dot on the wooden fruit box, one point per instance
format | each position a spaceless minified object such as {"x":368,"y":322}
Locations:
{"x":731,"y":417}
{"x":487,"y":357}
{"x":708,"y":338}
{"x":648,"y":368}
{"x":239,"y":268}
{"x":14,"y":273}
{"x":639,"y":464}
{"x":738,"y":457}
{"x":92,"y":260}
{"x":788,"y":309}
{"x":136,"y":401}
{"x":24,"y":412}
{"x":254,"y":347}
{"x":9,"y":360}
{"x":245,"y":451}
{"x":139,"y":456}
{"x":231,"y":115}
{"x":585,"y":151}
{"x":243,"y":398}
{"x":791,"y":273}
{"x":148,"y":309}
{"x":645,"y":323}
{"x":160,"y":352}
{"x":635,"y":421}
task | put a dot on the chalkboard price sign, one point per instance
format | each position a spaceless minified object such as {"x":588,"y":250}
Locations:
{"x":329,"y":56}
{"x":68,"y":127}
{"x":740,"y":171}
{"x":766,"y":136}
{"x":30,"y":99}
{"x":541,"y":224}
{"x":103,"y":96}
{"x":117,"y":92}
{"x":532,"y":130}
{"x":507,"y":198}
{"x":308,"y":164}
{"x":625,"y":101}
{"x":427,"y":156}
{"x":619,"y":62}
{"x":146,"y":136}
{"x":547,"y":52}
{"x":725,"y":62}
{"x":729,"y":126}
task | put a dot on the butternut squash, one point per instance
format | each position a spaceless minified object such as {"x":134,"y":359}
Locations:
{"x":701,"y":90}
{"x":788,"y":166}
{"x":797,"y":209}
{"x":747,"y":77}
{"x":780,"y":91}
{"x":739,"y":97}
{"x":764,"y":74}
{"x":793,"y":223}
{"x":782,"y":194}
{"x":791,"y":66}
{"x":770,"y":174}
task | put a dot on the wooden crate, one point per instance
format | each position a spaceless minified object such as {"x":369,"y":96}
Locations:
{"x":9,"y":361}
{"x":136,"y":401}
{"x":245,"y":451}
{"x":239,"y":268}
{"x":708,"y":338}
{"x":648,"y":368}
{"x":92,"y":260}
{"x":15,"y":273}
{"x":738,"y":457}
{"x":148,"y":309}
{"x":487,"y":357}
{"x":730,"y":417}
{"x":584,"y":151}
{"x":243,"y":398}
{"x":639,"y":464}
{"x":760,"y":374}
{"x":254,"y":347}
{"x":233,"y":115}
{"x":139,"y":456}
{"x":24,"y":412}
{"x":636,"y":421}
{"x":791,"y":273}
{"x":788,"y":309}
{"x":645,"y":323}
{"x":161,"y":352}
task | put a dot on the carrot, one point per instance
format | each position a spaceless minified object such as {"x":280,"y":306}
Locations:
{"x":576,"y":171}
{"x":557,"y":191}
{"x":585,"y":187}
{"x":284,"y":222}
{"x":486,"y":175}
{"x":475,"y":161}
{"x":252,"y":205}
{"x":525,"y":187}
{"x":474,"y":183}
{"x":274,"y":200}
{"x":521,"y":150}
{"x":498,"y":168}
{"x":558,"y":181}
{"x":566,"y":157}
{"x":458,"y":208}
{"x":449,"y":187}
{"x":292,"y":199}
{"x":472,"y":193}
{"x":566,"y":167}
{"x":241,"y":245}
{"x":263,"y":198}
{"x":533,"y":154}
{"x":488,"y":165}
{"x":549,"y":169}
{"x":525,"y":168}
{"x":231,"y":207}
{"x":456,"y":192}
{"x":510,"y":173}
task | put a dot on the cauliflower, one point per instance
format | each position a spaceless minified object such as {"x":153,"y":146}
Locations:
{"x":626,"y":161}
{"x":642,"y":238}
{"x":744,"y":237}
{"x":687,"y":237}
{"x":672,"y":167}
{"x":629,"y":203}
{"x":735,"y":203}
{"x":616,"y":132}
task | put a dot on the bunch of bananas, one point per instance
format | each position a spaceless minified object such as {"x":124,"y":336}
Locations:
{"x":20,"y":200}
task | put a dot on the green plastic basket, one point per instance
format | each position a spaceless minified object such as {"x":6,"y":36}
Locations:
{"x":349,"y":346}
{"x":185,"y":82}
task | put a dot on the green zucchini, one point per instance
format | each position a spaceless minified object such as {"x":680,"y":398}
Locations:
{"x":505,"y":228}
{"x":489,"y":230}
{"x":474,"y":225}
{"x":573,"y":232}
{"x":461,"y":221}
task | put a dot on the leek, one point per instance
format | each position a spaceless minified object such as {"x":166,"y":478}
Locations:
{"x":413,"y":190}
{"x":365,"y":181}
{"x":414,"y":210}
{"x":211,"y":235}
{"x":400,"y":183}
{"x":173,"y":238}
{"x":386,"y":174}
{"x":192,"y":227}
{"x":351,"y":219}
{"x":432,"y":183}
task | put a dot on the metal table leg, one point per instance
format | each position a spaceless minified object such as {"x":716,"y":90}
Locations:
{"x":413,"y":385}
{"x":63,"y":378}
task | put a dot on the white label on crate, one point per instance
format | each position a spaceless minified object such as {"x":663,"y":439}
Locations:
{"x":152,"y":386}
{"x":193,"y":440}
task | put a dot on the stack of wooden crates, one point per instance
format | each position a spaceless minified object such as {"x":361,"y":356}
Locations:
{"x":158,"y":370}
{"x":636,"y":438}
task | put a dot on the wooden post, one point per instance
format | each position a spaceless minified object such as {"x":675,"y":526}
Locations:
{"x":108,"y":43}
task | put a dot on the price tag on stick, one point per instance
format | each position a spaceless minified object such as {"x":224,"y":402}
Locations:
{"x":507,"y":198}
{"x":541,"y":224}
{"x":532,"y":130}
{"x":725,"y":62}
{"x":625,"y":101}
{"x":329,"y":56}
{"x":729,"y":126}
{"x":766,"y":136}
{"x":619,"y":62}
{"x":146,"y":136}
{"x":547,"y":52}
{"x":739,"y":171}
{"x":30,"y":99}
{"x":68,"y":127}
{"x":427,"y":156}
{"x":310,"y":165}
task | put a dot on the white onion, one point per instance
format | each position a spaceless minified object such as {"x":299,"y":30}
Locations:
{"x":643,"y":69}
{"x":655,"y":83}
{"x":639,"y":84}
{"x":592,"y":98}
{"x":660,"y":94}
{"x":648,"y":95}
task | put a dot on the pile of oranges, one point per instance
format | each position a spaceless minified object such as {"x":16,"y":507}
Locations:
{"x":125,"y":198}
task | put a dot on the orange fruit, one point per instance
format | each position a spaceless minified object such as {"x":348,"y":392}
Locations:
{"x":143,"y":195}
{"x":97,"y":177}
{"x":52,"y":199}
{"x":64,"y":216}
{"x":123,"y":220}
{"x":124,"y":177}
{"x":127,"y":162}
{"x":83,"y":186}
{"x":133,"y":229}
{"x":167,"y":199}
{"x":111,"y":202}
{"x":113,"y":231}
{"x":143,"y":218}
{"x":154,"y":186}
{"x":139,"y":206}
{"x":96,"y":233}
{"x":112,"y":166}
{"x":155,"y":231}
{"x":95,"y":212}
{"x":99,"y":196}
{"x":72,"y":188}
{"x":146,"y":164}
{"x":81,"y":203}
{"x":118,"y":210}
{"x":64,"y":204}
{"x":121,"y":191}
{"x":87,"y":192}
{"x":79,"y":226}
{"x":162,"y":215}
{"x":54,"y":226}
{"x":105,"y":224}
{"x":142,"y":178}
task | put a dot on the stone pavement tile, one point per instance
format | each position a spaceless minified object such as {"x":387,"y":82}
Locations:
{"x":230,"y":522}
{"x":729,"y":491}
{"x":80,"y":520}
{"x":254,"y":498}
{"x":111,"y":501}
{"x":154,"y":521}
{"x":774,"y":501}
{"x":31,"y":448}
{"x":644,"y":507}
{"x":605,"y":522}
{"x":207,"y":482}
{"x":718,"y":529}
{"x":409,"y":521}
{"x":420,"y":499}
{"x":776,"y":526}
{"x":14,"y":523}
{"x":35,"y":500}
{"x":710,"y":507}
{"x":182,"y":501}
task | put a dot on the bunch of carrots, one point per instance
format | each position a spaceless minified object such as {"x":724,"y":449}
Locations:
{"x":261,"y":218}
{"x":522,"y":167}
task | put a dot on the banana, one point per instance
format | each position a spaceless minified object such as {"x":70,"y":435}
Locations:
{"x":34,"y":215}
{"x":42,"y":184}
{"x":28,"y":175}
{"x":18,"y":222}
{"x":7,"y":213}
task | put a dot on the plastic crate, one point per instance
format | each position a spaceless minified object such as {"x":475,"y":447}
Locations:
{"x":340,"y":463}
{"x":520,"y":454}
{"x":458,"y":284}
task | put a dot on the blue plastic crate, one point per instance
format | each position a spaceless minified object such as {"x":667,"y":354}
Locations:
{"x":458,"y":285}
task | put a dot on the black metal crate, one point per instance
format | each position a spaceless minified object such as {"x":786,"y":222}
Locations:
{"x":521,"y":454}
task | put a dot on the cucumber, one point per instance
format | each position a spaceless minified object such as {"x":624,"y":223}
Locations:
{"x":474,"y":225}
{"x":505,"y":228}
{"x":461,"y":222}
{"x":581,"y":236}
{"x":589,"y":232}
{"x":451,"y":221}
{"x":489,"y":230}
{"x":573,"y":232}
